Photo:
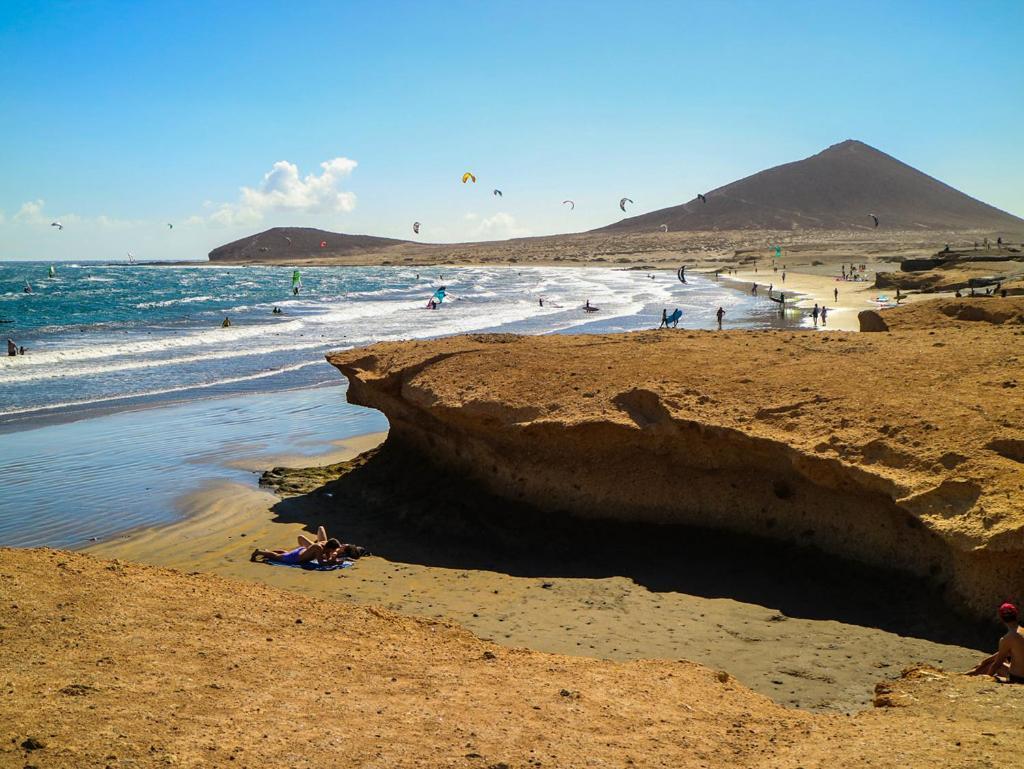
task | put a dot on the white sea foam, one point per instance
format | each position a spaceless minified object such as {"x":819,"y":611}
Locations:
{"x":165,"y":390}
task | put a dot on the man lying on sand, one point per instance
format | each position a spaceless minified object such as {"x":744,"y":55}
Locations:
{"x":1007,"y":664}
{"x":323,"y":550}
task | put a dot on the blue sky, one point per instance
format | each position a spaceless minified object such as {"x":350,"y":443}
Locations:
{"x":121,"y":117}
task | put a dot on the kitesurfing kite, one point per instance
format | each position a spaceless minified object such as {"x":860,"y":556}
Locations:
{"x":58,"y":225}
{"x":663,"y":227}
{"x":468,"y":177}
{"x":681,"y":274}
{"x":875,"y":218}
{"x":622,"y":203}
{"x":170,"y":226}
{"x":572,"y":205}
{"x":498,"y":193}
{"x":131,"y":258}
{"x":416,"y":227}
{"x":288,"y":239}
{"x":701,"y":198}
{"x":296,"y":281}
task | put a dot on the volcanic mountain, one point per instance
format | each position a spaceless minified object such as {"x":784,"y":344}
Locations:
{"x":837,"y":189}
{"x":283,"y":243}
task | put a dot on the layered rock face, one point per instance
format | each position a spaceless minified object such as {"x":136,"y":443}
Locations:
{"x":901,"y":450}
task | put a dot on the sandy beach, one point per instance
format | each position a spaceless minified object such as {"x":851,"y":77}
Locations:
{"x":711,"y":608}
{"x":807,"y":285}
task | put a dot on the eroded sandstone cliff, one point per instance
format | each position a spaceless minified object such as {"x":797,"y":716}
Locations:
{"x":902,"y":450}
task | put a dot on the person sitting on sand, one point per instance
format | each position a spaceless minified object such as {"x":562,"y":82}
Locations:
{"x":1007,"y":664}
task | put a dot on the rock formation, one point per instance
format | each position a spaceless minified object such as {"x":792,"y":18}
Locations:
{"x":900,"y":450}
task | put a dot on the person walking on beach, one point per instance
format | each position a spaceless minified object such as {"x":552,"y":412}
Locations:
{"x":1007,"y":664}
{"x":753,"y":290}
{"x":783,"y":276}
{"x":815,"y":313}
{"x":12,"y":348}
{"x":720,"y":314}
{"x":835,"y":293}
{"x":664,"y":318}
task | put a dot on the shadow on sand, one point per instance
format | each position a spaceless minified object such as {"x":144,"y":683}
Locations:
{"x":430,"y":517}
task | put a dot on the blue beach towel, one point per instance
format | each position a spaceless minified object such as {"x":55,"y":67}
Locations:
{"x":314,"y":565}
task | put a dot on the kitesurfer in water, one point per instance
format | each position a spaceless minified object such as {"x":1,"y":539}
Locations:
{"x":12,"y":348}
{"x":540,"y":301}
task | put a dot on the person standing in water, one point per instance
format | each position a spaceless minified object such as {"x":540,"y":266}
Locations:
{"x":824,"y":313}
{"x":815,"y":313}
{"x":720,"y":314}
{"x":12,"y":348}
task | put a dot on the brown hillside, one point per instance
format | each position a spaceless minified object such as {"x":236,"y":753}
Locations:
{"x":298,"y":243}
{"x":836,"y":189}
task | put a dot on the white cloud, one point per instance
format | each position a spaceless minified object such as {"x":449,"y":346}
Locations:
{"x":282,"y":189}
{"x":499,"y":227}
{"x":31,"y":212}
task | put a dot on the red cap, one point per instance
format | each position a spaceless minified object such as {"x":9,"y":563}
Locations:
{"x":1008,"y":612}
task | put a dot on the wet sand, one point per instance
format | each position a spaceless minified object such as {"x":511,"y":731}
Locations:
{"x":788,"y":626}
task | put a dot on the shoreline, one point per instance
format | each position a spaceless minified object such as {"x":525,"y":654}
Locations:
{"x":810,"y":663}
{"x":809,"y":288}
